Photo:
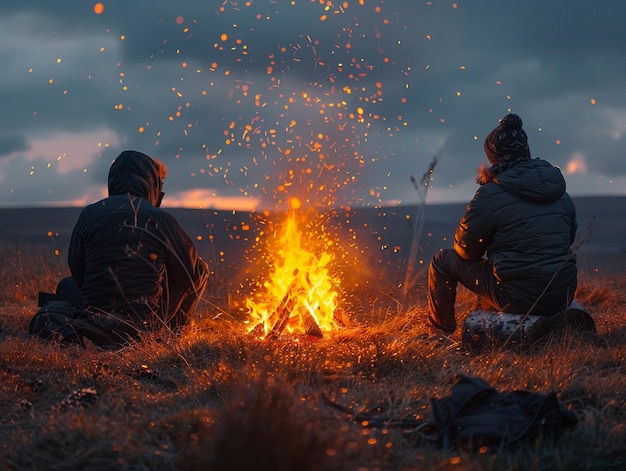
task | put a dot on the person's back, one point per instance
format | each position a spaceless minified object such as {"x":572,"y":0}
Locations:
{"x":525,"y":222}
{"x":119,"y":253}
{"x":130,"y":257}
{"x":512,"y":246}
{"x":133,"y":266}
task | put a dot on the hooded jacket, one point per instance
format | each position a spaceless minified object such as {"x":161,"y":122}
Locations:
{"x":524,"y":221}
{"x":131,"y":258}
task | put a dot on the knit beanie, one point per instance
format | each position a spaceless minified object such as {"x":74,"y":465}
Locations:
{"x":508,"y":141}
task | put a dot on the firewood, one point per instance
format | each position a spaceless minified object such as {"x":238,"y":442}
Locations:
{"x":285,"y":307}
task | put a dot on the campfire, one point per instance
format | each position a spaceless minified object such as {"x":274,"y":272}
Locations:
{"x":300,"y":294}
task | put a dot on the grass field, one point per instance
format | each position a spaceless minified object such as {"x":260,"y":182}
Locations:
{"x":216,"y":398}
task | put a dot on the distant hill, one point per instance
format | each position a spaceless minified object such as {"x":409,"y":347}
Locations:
{"x":383,"y":235}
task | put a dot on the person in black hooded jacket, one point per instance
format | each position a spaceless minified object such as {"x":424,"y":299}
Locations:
{"x":512,"y":246}
{"x":133,"y":267}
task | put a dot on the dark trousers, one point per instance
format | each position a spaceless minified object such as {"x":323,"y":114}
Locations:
{"x":446,"y":270}
{"x":68,"y":289}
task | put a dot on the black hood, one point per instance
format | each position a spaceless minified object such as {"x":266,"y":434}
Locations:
{"x":533,"y":180}
{"x":135,"y":173}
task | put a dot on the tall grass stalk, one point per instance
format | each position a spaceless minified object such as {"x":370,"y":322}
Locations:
{"x":411,"y":277}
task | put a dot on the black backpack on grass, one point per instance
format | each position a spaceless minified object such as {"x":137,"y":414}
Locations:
{"x":475,"y":415}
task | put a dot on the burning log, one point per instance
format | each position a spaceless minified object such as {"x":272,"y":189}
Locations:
{"x":311,"y":327}
{"x":285,"y":307}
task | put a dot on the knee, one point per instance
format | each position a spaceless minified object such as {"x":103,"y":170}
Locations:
{"x":68,"y":289}
{"x":441,"y":260}
{"x":66,"y":286}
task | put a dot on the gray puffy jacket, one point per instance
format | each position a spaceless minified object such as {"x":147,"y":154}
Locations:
{"x":525,"y":222}
{"x":130,"y":257}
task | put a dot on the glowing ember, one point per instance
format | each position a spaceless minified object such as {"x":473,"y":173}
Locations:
{"x":300,"y":295}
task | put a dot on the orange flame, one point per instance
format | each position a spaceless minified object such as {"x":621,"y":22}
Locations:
{"x":300,"y":295}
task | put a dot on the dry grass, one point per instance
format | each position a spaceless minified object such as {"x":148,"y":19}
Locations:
{"x":217,"y":399}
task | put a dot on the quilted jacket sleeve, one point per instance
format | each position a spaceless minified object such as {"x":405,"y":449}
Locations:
{"x":474,"y":232}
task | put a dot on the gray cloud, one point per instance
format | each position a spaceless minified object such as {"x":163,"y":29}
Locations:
{"x":11,"y":143}
{"x":276,"y":101}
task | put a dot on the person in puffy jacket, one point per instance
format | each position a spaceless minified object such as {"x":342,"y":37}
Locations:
{"x":133,"y":267}
{"x":512,"y":246}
